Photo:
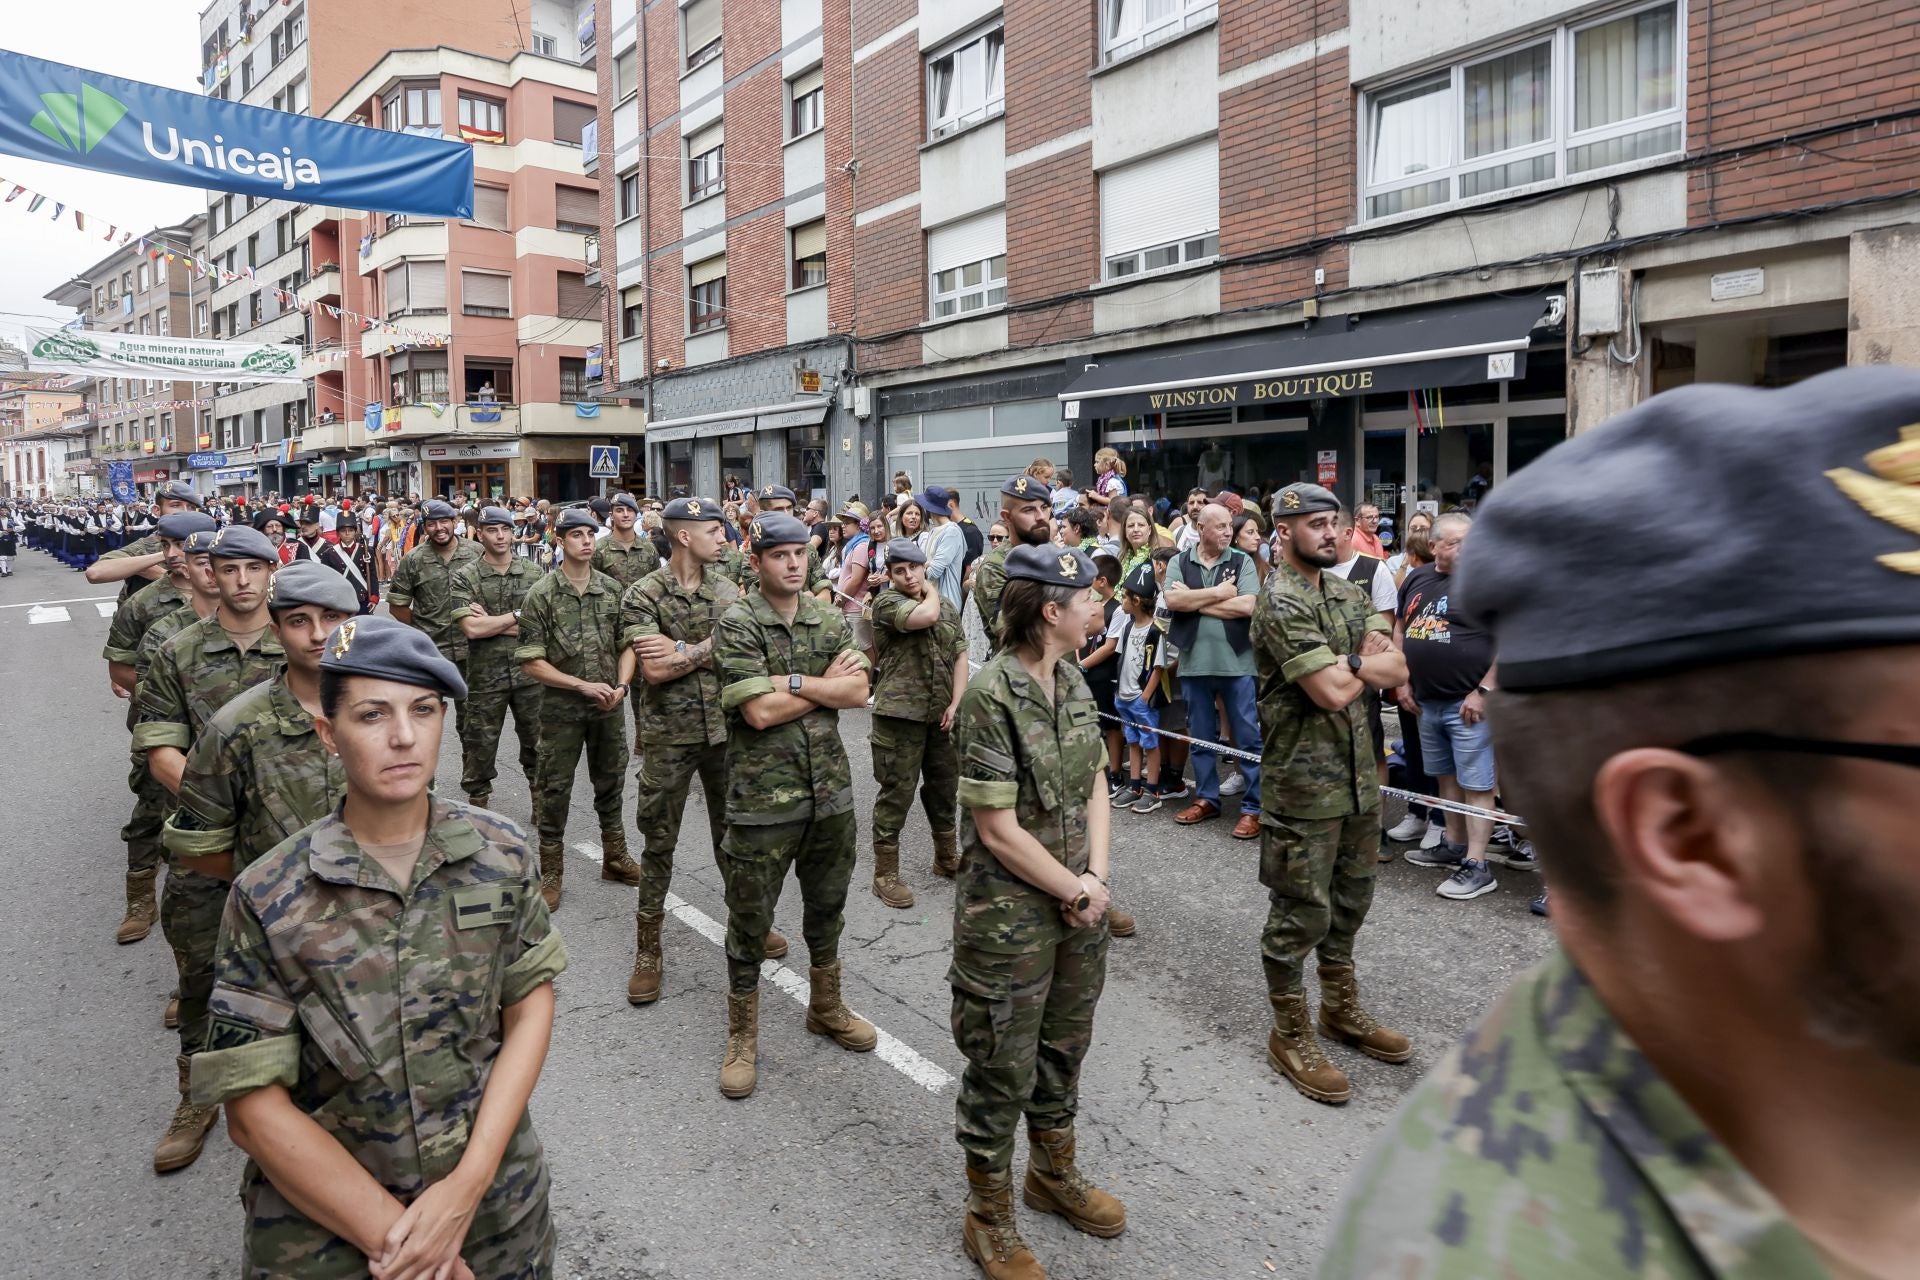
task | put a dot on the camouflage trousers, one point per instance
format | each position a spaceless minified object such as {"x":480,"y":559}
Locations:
{"x":151,"y":803}
{"x":480,"y":739}
{"x":282,"y":1244}
{"x":190,"y":910}
{"x":754,"y":861}
{"x":603,"y":739}
{"x":458,"y":657}
{"x":666,"y":774}
{"x":905,"y":752}
{"x":1024,"y":1021}
{"x":1319,"y":874}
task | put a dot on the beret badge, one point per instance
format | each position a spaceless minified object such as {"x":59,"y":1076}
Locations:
{"x":343,"y":639}
{"x":1892,"y":493}
{"x":1290,"y":500}
{"x":1069,"y":568}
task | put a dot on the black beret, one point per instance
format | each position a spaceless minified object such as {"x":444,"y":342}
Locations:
{"x":1055,"y":566}
{"x":1551,"y":557}
{"x":380,"y":647}
{"x":776,"y":529}
{"x":576,"y":518}
{"x":238,"y":542}
{"x":599,"y":506}
{"x":199,"y":544}
{"x":495,"y":515}
{"x":693,"y":509}
{"x":905,"y":551}
{"x":1025,"y":488}
{"x":177,"y":491}
{"x":1303,"y":500}
{"x":775,"y":493}
{"x":1141,"y":582}
{"x":626,"y":500}
{"x":434,"y":509}
{"x":182,"y":525}
{"x":310,"y":582}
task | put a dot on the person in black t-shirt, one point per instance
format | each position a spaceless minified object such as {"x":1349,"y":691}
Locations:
{"x":1101,"y":666}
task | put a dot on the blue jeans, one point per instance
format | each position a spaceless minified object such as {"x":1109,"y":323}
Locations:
{"x":1203,"y":722}
{"x":1450,"y":747}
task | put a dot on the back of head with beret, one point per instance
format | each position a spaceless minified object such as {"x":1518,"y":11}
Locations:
{"x":182,"y":525}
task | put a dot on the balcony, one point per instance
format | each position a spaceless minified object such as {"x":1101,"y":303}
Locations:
{"x":377,"y":341}
{"x":325,"y":360}
{"x":322,"y":436}
{"x":560,"y":420}
{"x":313,"y":215}
{"x":593,"y":262}
{"x":415,"y":240}
{"x":322,"y":286}
{"x":420,"y":422}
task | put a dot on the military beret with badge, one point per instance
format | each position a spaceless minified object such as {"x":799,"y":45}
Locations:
{"x":240,"y":542}
{"x":575,"y":518}
{"x":495,"y":515}
{"x":1056,"y":566}
{"x":434,"y":509}
{"x":776,"y":529}
{"x":310,"y":582}
{"x":905,"y":551}
{"x":1025,"y":488}
{"x":775,"y":493}
{"x":182,"y":525}
{"x":178,"y":491}
{"x":1303,"y":499}
{"x":383,"y":649}
{"x":626,"y":500}
{"x":693,"y":509}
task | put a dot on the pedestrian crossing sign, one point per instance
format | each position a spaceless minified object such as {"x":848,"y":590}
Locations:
{"x":603,"y":461}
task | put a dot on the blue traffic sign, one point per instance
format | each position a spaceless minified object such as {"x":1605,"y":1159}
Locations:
{"x":603,"y":461}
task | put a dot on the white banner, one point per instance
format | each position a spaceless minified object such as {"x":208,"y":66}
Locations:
{"x":118,"y":355}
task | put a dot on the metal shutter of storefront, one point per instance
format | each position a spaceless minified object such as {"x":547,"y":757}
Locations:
{"x":1171,"y":196}
{"x":970,"y":240}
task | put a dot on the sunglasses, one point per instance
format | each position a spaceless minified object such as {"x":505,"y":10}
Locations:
{"x":1713,"y":744}
{"x":996,"y":537}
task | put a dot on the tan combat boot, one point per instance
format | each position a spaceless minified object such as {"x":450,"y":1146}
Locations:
{"x":482,"y":801}
{"x":187,"y":1131}
{"x":988,"y":1231}
{"x":614,"y":862}
{"x":142,"y":910}
{"x":946,"y":853}
{"x":1342,"y":1017}
{"x":170,"y":1016}
{"x":828,"y":1016}
{"x":644,"y":986}
{"x":1056,"y":1185}
{"x":553,"y":872}
{"x":738,"y":1074}
{"x":1294,"y":1051}
{"x":776,"y":946}
{"x":886,"y":875}
{"x":1120,"y":924}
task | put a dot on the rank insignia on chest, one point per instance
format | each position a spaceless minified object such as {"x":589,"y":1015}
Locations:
{"x":483,"y":905}
{"x":343,"y":638}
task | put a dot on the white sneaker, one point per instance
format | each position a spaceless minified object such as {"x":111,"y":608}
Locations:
{"x":1436,"y":832}
{"x":1408,"y":828}
{"x":1234,"y":785}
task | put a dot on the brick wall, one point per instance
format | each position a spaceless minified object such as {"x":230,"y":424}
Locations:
{"x":1053,"y":244}
{"x":836,"y":41}
{"x":889,"y":124}
{"x":1050,"y":48}
{"x":756,"y":117}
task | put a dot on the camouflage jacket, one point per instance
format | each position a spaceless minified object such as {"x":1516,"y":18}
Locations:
{"x":131,"y":620}
{"x":1313,"y":763}
{"x":913,"y":670}
{"x":626,"y":565}
{"x":738,"y":567}
{"x":423,"y":582}
{"x":799,"y":769}
{"x":491,"y":667}
{"x":686,"y":711}
{"x":378,"y":1008}
{"x":192,"y":676}
{"x":1019,"y":752}
{"x":1547,"y":1145}
{"x":256,"y":775}
{"x":578,"y":632}
{"x":989,"y":584}
{"x":146,"y":546}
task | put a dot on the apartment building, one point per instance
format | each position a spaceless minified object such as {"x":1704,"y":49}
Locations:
{"x":498,"y":403}
{"x":42,"y":418}
{"x":1402,"y":249}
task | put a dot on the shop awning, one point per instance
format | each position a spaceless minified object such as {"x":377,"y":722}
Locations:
{"x":1483,"y":340}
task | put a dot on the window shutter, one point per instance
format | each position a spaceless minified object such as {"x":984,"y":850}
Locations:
{"x":809,"y":241}
{"x":807,"y":81}
{"x":577,"y":302}
{"x":711,"y":269}
{"x":490,"y":206}
{"x":396,"y":289}
{"x":482,"y":289}
{"x":579,"y":206}
{"x":1171,"y":196}
{"x":704,"y":140}
{"x":569,"y":120}
{"x":703,"y":24}
{"x":427,"y":286}
{"x":970,"y":240}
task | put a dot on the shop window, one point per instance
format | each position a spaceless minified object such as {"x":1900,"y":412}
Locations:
{"x":1161,"y":213}
{"x":806,"y":94}
{"x":966,"y":83}
{"x":706,"y":162}
{"x":482,"y":119}
{"x":809,"y":254}
{"x":807,"y":461}
{"x":408,"y":107}
{"x":1129,"y":26}
{"x":700,"y":31}
{"x":573,"y":378}
{"x":487,"y":479}
{"x":707,"y":295}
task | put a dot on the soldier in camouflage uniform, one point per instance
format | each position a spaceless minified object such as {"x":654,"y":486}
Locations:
{"x":787,"y":668}
{"x":372,"y":997}
{"x":1027,"y":512}
{"x":1318,"y":648}
{"x":142,"y":560}
{"x":1029,"y":907}
{"x":779,"y":500}
{"x":570,"y":642}
{"x":667,"y":619}
{"x":920,"y":672}
{"x":626,"y":555}
{"x":487,"y":597}
{"x":201,"y":669}
{"x":131,"y":623}
{"x":421,"y":592}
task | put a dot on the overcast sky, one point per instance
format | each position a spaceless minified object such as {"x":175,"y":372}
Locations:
{"x":153,"y":40}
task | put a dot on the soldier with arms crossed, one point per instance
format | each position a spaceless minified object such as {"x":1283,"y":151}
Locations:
{"x":487,"y":597}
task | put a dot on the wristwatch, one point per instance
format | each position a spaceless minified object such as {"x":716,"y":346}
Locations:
{"x":1353,"y":661}
{"x":1482,"y":690}
{"x":1080,"y":903}
{"x":679,"y":646}
{"x":793,"y":682}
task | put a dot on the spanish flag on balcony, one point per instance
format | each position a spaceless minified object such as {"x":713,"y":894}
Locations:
{"x":468,"y":133}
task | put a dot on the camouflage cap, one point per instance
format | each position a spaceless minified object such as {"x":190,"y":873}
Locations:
{"x":1054,"y":565}
{"x":182,"y":525}
{"x":905,"y":551}
{"x":1303,"y":500}
{"x":310,"y":582}
{"x":238,"y":542}
{"x":384,"y":649}
{"x":576,"y":518}
{"x":693,"y":509}
{"x":495,"y":515}
{"x":776,"y":530}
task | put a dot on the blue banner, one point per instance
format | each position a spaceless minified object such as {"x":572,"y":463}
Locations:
{"x":120,"y":480}
{"x":66,"y":115}
{"x":206,"y":461}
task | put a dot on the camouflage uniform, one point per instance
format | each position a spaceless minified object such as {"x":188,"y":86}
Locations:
{"x":256,"y":775}
{"x":579,"y":634}
{"x":147,"y":546}
{"x":989,"y":584}
{"x":682,"y":720}
{"x":738,"y":568}
{"x":1547,"y":1144}
{"x":626,"y":566}
{"x":789,"y":788}
{"x":132,"y":621}
{"x":423,"y":582}
{"x":494,"y":679}
{"x":1024,"y":983}
{"x":189,"y":680}
{"x":379,"y":1012}
{"x":1319,"y":792}
{"x":913,"y":681}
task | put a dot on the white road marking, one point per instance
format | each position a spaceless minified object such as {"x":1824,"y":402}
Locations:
{"x":895,"y":1053}
{"x":105,"y":608}
{"x":42,"y":603}
{"x":47,"y":613}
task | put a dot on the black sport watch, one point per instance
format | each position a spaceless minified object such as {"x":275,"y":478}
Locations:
{"x":1353,"y":662}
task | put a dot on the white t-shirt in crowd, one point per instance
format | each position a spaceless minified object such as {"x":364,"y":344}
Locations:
{"x":1386,"y":596}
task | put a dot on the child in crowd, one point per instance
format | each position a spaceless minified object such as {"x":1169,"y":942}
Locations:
{"x":1101,"y":669}
{"x":1136,"y":643}
{"x":1173,"y":711}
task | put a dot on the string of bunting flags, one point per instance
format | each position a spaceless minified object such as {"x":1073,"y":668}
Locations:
{"x":157,"y":249}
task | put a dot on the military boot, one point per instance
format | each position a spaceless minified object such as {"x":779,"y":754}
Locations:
{"x":1056,"y":1185}
{"x":776,"y":945}
{"x":553,"y":872}
{"x":142,"y":910}
{"x":886,"y":875}
{"x":482,"y":801}
{"x":988,"y":1231}
{"x":738,"y":1074}
{"x":170,"y":1016}
{"x":644,"y":986}
{"x":1120,"y":924}
{"x":1343,"y":1018}
{"x":187,"y":1131}
{"x":1294,"y":1051}
{"x":828,"y":1016}
{"x":614,"y":862}
{"x":946,"y":853}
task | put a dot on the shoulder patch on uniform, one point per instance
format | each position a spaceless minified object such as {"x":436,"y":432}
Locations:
{"x":982,"y":754}
{"x":485,"y":904}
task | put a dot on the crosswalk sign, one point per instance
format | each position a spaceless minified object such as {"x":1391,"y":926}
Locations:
{"x":603,"y":461}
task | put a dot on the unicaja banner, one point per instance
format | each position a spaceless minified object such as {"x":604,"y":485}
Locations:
{"x":67,"y":115}
{"x":118,"y":355}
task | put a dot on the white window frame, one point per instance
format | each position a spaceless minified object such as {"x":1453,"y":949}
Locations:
{"x":545,"y":45}
{"x":1188,"y":15}
{"x":623,"y":208}
{"x":1184,"y":253}
{"x":819,"y":113}
{"x":717,"y":185}
{"x":794,"y":284}
{"x":993,"y":279}
{"x":1562,"y":141}
{"x":701,"y":306}
{"x":946,"y":126}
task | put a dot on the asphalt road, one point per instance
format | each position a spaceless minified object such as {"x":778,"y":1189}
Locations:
{"x":840,"y":1165}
